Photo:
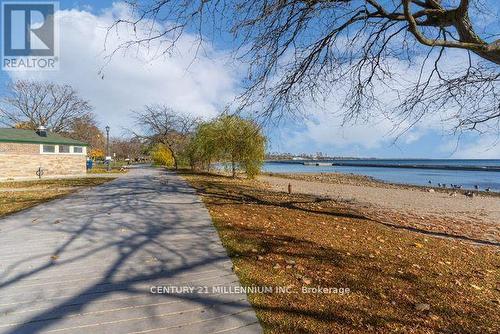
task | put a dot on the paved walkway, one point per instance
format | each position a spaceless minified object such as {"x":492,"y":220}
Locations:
{"x":86,"y":263}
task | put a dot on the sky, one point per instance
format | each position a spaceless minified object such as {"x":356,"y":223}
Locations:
{"x":203,"y":87}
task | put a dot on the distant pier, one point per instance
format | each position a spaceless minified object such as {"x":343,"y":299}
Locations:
{"x":388,"y":165}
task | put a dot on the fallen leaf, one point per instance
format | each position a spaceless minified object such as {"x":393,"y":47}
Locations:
{"x":422,"y":307}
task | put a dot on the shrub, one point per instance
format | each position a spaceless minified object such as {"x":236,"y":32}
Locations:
{"x":162,"y":156}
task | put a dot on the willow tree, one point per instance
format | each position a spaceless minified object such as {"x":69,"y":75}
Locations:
{"x":230,"y":139}
{"x":242,"y":144}
{"x":304,"y":51}
{"x":204,"y":149}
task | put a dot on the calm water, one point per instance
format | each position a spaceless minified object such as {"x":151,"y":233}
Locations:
{"x":413,"y":176}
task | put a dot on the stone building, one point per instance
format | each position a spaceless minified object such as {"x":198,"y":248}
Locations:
{"x":23,"y":153}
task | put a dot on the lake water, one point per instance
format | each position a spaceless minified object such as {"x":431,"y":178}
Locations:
{"x":394,"y":171}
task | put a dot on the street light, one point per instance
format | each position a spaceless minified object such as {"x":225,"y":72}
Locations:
{"x":107,"y":148}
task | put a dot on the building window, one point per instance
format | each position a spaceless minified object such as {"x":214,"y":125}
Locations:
{"x":77,"y":149}
{"x":49,"y":149}
{"x":63,"y":149}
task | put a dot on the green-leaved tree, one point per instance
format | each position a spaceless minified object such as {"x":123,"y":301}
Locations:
{"x":230,"y":139}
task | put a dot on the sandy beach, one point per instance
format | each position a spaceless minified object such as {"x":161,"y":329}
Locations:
{"x":445,"y":212}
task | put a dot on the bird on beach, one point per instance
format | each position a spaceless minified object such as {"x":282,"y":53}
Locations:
{"x":476,"y":187}
{"x":487,"y":189}
{"x":430,"y":182}
{"x":439,"y":185}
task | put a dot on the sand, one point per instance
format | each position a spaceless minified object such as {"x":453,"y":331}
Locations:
{"x":444,"y":211}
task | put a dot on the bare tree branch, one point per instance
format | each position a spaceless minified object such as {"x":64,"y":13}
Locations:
{"x":161,"y":124}
{"x":303,"y":51}
{"x":31,"y":104}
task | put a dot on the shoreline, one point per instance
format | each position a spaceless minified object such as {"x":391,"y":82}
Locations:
{"x":441,"y":211}
{"x":345,"y":178}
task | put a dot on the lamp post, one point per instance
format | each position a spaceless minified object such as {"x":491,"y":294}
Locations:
{"x":107,"y":148}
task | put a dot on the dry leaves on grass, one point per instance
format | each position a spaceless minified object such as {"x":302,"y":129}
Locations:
{"x":398,"y":280}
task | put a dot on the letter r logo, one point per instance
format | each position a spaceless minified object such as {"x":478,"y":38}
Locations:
{"x":28,"y":29}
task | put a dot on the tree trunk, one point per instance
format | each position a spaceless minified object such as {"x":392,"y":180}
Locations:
{"x":176,"y":166}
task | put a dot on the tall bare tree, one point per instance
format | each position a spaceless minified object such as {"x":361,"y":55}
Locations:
{"x":161,"y":124}
{"x":301,"y":50}
{"x":86,"y":129}
{"x":34,"y":103}
{"x":127,"y":148}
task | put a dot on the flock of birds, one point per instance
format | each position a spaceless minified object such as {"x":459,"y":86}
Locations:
{"x":457,"y":186}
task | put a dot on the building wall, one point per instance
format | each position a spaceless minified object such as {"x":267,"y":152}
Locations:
{"x":23,"y":160}
{"x":19,"y":148}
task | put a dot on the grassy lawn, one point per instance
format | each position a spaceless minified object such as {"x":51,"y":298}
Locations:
{"x":399,"y":281}
{"x":103,"y":170}
{"x":17,"y":196}
{"x":116,"y":167}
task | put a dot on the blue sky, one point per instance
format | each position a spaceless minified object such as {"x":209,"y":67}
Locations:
{"x":134,"y":79}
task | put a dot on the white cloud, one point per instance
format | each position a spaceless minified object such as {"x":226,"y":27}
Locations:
{"x":327,"y":129}
{"x":483,"y":147}
{"x":380,"y":128}
{"x":136,"y":77}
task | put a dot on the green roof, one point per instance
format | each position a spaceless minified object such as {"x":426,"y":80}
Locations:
{"x":10,"y":135}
